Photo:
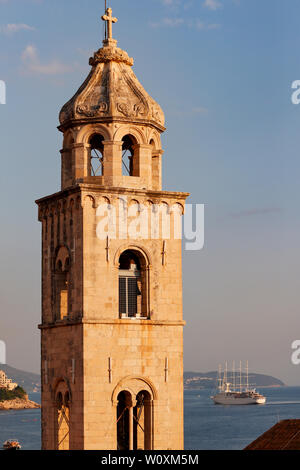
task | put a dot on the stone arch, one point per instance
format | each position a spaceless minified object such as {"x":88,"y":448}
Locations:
{"x":177,"y":206}
{"x":87,"y":131}
{"x":104,"y":200}
{"x":165,"y":205}
{"x":90,"y":201}
{"x":59,"y":382}
{"x":134,"y":201}
{"x":134,"y":384}
{"x":62,"y":413}
{"x":62,"y":254}
{"x":135,"y":131}
{"x":155,"y":138}
{"x":135,"y":247}
{"x":153,"y":145}
{"x":134,"y":398}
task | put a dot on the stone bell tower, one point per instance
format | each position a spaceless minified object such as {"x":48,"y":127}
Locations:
{"x":112,"y":326}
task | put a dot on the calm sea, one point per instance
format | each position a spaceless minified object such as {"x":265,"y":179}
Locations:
{"x":207,"y":426}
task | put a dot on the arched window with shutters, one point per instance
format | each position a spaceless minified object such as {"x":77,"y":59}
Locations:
{"x":132,"y":285}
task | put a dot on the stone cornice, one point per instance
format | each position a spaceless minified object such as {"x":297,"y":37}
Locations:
{"x":109,"y":54}
{"x":108,"y":120}
{"x":146,"y":322}
{"x":78,"y":188}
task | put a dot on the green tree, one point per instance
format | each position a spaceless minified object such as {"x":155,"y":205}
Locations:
{"x":6,"y":394}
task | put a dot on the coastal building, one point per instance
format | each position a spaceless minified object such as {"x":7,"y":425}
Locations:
{"x":112,"y":326}
{"x":5,"y":382}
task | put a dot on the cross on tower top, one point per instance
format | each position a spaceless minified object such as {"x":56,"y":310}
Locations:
{"x":110,"y":20}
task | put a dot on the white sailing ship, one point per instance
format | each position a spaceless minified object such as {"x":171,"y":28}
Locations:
{"x":233,"y":393}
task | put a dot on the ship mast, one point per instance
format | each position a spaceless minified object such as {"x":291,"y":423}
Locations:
{"x":247,"y":376}
{"x":220,"y":377}
{"x":241,"y":376}
{"x":233,"y":375}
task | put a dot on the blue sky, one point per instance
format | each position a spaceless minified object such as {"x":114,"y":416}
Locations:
{"x":222,"y":71}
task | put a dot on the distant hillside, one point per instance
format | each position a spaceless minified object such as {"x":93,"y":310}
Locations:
{"x":192,"y":380}
{"x":196,"y":380}
{"x":27,"y":380}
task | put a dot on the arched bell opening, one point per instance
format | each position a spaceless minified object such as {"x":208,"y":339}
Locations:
{"x":142,"y":421}
{"x":62,"y":418}
{"x":124,"y":421}
{"x":129,"y":159}
{"x":133,"y":282}
{"x":96,"y":155}
{"x":134,"y":421}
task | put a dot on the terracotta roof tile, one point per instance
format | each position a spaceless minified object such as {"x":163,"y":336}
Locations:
{"x":285,"y":435}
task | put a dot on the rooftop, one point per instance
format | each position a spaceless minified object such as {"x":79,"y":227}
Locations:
{"x":285,"y":435}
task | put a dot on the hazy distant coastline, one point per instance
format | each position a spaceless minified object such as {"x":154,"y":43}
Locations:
{"x":208,"y":380}
{"x":29,"y":381}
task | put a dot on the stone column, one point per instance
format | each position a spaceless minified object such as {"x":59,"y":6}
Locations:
{"x":131,"y":428}
{"x":148,"y":277}
{"x":112,"y":159}
{"x":142,"y":162}
{"x":64,"y":155}
{"x":157,"y":170}
{"x":148,"y":424}
{"x":80,"y":161}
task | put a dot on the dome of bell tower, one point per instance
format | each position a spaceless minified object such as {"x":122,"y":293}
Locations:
{"x":111,"y":92}
{"x":112,"y":126}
